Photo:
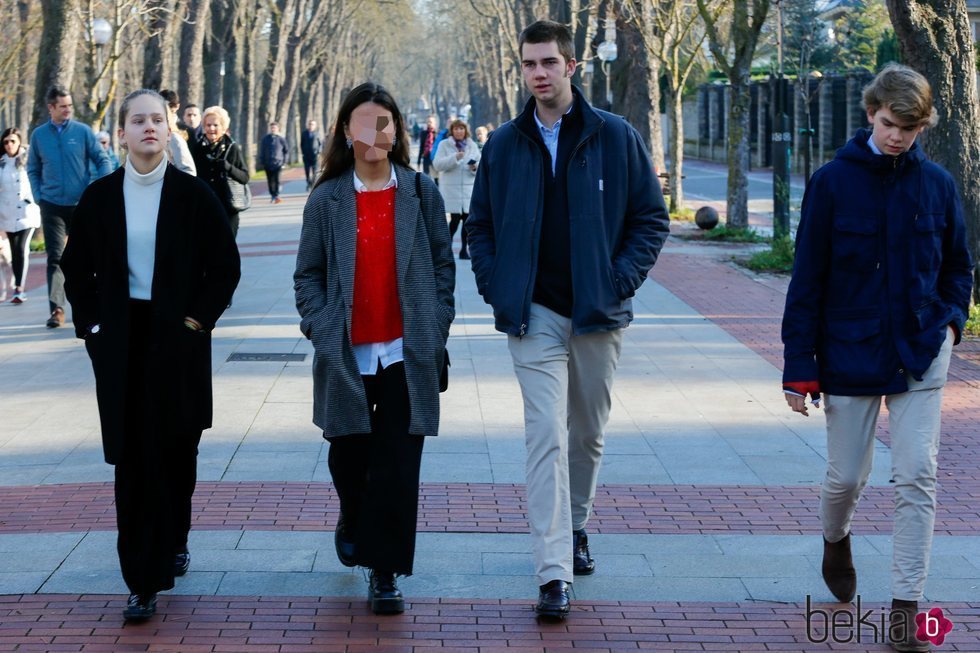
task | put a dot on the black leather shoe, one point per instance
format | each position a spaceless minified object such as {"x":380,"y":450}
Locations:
{"x":838,"y":569}
{"x":182,"y":562}
{"x":582,"y":562}
{"x":343,"y":544}
{"x":902,"y":627}
{"x":140,"y":607}
{"x":553,"y":601}
{"x":384,"y":595}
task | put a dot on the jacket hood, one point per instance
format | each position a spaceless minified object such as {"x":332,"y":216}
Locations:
{"x":858,"y":151}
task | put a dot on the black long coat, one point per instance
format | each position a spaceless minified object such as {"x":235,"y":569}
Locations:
{"x":196,"y":270}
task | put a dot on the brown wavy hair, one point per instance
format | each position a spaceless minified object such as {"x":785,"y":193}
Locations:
{"x":338,"y":158}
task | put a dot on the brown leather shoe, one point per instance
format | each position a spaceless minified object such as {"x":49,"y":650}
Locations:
{"x":902,"y":627}
{"x":57,"y":319}
{"x":838,"y":569}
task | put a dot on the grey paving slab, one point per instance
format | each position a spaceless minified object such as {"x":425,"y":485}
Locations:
{"x":285,"y":540}
{"x":285,"y":560}
{"x":14,"y":582}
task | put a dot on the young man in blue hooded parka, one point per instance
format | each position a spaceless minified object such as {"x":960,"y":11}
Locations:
{"x":879,"y":296}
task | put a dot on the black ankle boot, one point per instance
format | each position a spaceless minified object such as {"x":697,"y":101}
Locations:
{"x":838,"y":569}
{"x":383,"y":593}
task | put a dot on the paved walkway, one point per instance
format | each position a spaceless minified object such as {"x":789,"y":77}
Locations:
{"x":705,"y":532}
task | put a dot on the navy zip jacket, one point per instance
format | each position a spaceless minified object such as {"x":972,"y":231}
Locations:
{"x":882,"y":267}
{"x":617,"y":221}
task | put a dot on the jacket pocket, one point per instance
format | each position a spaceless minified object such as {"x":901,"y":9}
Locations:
{"x":929,"y":229}
{"x":854,"y":244}
{"x":853,"y":352}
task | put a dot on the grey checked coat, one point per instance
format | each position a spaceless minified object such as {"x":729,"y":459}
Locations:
{"x":324,"y":285}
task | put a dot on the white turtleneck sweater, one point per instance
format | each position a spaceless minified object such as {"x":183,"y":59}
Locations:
{"x":141,"y":194}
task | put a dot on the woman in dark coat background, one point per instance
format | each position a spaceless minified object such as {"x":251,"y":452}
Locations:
{"x":374,"y":285}
{"x":150,"y":266}
{"x":217,"y":157}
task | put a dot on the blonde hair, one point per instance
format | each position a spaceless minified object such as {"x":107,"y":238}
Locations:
{"x":904,"y":92}
{"x":223,"y":118}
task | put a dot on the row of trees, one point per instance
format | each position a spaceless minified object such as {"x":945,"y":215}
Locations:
{"x":292,"y":60}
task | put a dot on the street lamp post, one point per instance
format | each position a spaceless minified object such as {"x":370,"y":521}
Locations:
{"x":607,"y":53}
{"x":101,"y":33}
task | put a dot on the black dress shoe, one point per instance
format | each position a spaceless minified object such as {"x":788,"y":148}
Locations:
{"x":553,"y":601}
{"x":582,"y":562}
{"x":343,"y":544}
{"x":384,"y":595}
{"x":140,"y":607}
{"x":902,"y":627}
{"x":182,"y":562}
{"x":838,"y":569}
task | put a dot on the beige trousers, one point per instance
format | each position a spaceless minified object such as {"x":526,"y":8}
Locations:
{"x":566,"y":382}
{"x":913,"y":418}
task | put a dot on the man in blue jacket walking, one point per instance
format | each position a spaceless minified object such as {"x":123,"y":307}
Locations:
{"x":58,"y":170}
{"x":566,"y":220}
{"x":273,"y":151}
{"x":879,"y":296}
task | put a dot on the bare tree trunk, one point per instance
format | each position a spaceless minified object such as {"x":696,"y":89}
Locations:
{"x":56,"y":62}
{"x":738,"y":153}
{"x":675,"y":106}
{"x":745,"y":31}
{"x":23,"y":117}
{"x":641,"y":106}
{"x":190,"y":80}
{"x":156,"y":58}
{"x":935,"y":38}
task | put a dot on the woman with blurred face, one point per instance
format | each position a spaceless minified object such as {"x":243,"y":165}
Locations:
{"x":149,"y":268}
{"x":374,"y":231}
{"x":218,"y":157}
{"x":19,"y":213}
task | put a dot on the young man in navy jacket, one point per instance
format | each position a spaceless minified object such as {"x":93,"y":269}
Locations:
{"x":566,"y":220}
{"x":879,"y":296}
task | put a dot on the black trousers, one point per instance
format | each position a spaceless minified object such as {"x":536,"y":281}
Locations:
{"x":56,"y":224}
{"x":20,"y":247}
{"x":309,"y":167}
{"x":272,"y":176}
{"x":377,"y":476}
{"x":457,"y":221}
{"x":156,"y":477}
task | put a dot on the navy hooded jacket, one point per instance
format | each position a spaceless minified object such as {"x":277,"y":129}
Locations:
{"x":882,"y":267}
{"x":617,"y":221}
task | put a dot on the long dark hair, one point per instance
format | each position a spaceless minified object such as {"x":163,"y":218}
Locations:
{"x":21,"y":159}
{"x":339,"y":158}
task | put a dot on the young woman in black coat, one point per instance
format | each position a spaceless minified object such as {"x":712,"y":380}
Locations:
{"x":217,"y":157}
{"x":150,"y":266}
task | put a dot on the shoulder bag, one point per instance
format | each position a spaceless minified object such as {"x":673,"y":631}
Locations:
{"x":239,"y":194}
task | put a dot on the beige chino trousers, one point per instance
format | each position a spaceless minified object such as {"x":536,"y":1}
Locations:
{"x":566,"y":383}
{"x":913,"y":419}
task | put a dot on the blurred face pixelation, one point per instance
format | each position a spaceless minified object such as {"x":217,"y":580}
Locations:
{"x":372,"y":129}
{"x":213,"y":128}
{"x":11,"y":145}
{"x":192,"y":117}
{"x":60,"y":110}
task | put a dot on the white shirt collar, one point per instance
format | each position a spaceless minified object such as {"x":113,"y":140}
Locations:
{"x":874,"y":148}
{"x":359,"y":186}
{"x":557,"y":125}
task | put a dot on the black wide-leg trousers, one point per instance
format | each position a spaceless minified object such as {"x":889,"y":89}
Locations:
{"x":156,"y":477}
{"x":377,"y":476}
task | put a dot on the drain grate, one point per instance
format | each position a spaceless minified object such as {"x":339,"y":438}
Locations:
{"x":241,"y":357}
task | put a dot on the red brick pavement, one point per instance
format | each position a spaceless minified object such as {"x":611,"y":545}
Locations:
{"x":188,"y":624}
{"x":494,"y":508}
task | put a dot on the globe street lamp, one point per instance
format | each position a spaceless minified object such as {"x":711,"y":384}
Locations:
{"x":607,"y":53}
{"x":101,"y":33}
